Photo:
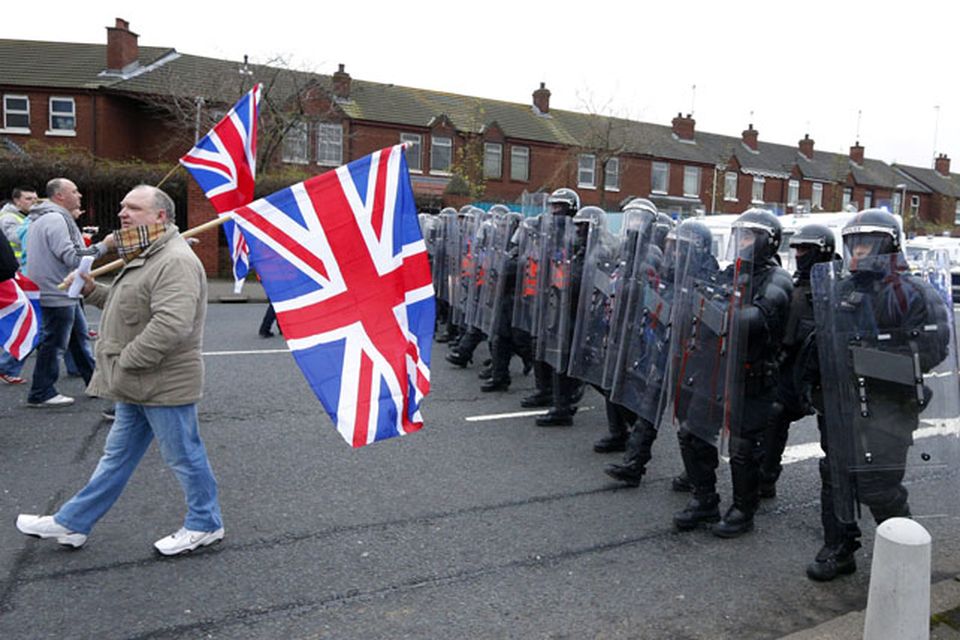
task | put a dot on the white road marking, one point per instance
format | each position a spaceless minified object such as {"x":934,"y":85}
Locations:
{"x":244,"y":353}
{"x":515,"y":414}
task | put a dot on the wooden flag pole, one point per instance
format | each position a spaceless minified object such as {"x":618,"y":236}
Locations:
{"x":189,"y":233}
{"x":169,"y":173}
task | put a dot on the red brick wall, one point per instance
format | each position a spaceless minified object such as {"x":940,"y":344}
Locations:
{"x":199,"y":210}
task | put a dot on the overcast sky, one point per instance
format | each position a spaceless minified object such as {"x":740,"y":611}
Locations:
{"x":787,"y":68}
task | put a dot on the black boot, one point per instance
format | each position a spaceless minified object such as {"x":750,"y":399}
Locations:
{"x":486,"y":373}
{"x":611,"y":444}
{"x":735,"y":523}
{"x":768,"y":487}
{"x":495,"y":385}
{"x":628,"y":474}
{"x":701,"y":509}
{"x":681,"y":483}
{"x":833,"y":561}
{"x":537,"y":399}
{"x":456,"y":359}
{"x":555,"y":419}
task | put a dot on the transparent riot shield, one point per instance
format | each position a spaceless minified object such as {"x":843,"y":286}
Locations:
{"x":466,"y":266}
{"x":886,"y":341}
{"x":444,"y":262}
{"x":533,"y":204}
{"x":595,"y":307}
{"x":477,"y":310}
{"x":557,"y":288}
{"x":706,"y":382}
{"x":530,"y":253}
{"x":495,"y":263}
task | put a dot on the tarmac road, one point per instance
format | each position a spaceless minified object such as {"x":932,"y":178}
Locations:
{"x":489,"y":528}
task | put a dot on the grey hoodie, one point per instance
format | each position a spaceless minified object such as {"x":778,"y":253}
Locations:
{"x":54,"y":249}
{"x":10,"y":219}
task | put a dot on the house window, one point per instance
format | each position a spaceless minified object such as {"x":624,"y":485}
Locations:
{"x":441,"y":154}
{"x":956,"y":213}
{"x":660,"y":179}
{"x":915,"y":206}
{"x":793,"y":192}
{"x":868,"y":199}
{"x":63,"y":115}
{"x":758,"y":184}
{"x":847,"y":197}
{"x":492,"y":160}
{"x":16,"y":114}
{"x":611,"y":175}
{"x":520,"y":163}
{"x":816,"y":196}
{"x":330,"y":144}
{"x":295,"y":144}
{"x":730,"y":186}
{"x":691,"y":182}
{"x":413,"y":152}
{"x":587,"y":171}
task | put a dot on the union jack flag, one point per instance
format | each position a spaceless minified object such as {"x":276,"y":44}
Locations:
{"x":344,"y":263}
{"x":224,"y":164}
{"x":19,"y":316}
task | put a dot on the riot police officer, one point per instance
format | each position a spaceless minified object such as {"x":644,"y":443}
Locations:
{"x":744,"y":314}
{"x":879,"y":330}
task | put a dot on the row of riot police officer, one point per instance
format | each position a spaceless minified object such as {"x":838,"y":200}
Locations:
{"x":728,"y":357}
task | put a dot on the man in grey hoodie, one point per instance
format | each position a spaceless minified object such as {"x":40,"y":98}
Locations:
{"x":55,"y":246}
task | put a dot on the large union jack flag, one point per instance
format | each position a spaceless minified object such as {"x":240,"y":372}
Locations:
{"x":224,"y":164}
{"x":19,"y":316}
{"x":343,"y":261}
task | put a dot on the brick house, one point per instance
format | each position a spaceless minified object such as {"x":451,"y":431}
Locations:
{"x":122,"y":101}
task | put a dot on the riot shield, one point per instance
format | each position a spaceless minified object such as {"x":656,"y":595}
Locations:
{"x":886,"y":341}
{"x":494,"y":261}
{"x":446,"y":259}
{"x":706,"y":376}
{"x":530,"y":253}
{"x":466,"y":266}
{"x":557,"y":282}
{"x":602,"y":268}
{"x":480,"y":290}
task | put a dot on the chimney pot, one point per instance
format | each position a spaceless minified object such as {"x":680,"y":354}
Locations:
{"x":856,"y":153}
{"x":806,"y":146}
{"x":942,"y":165}
{"x":122,"y":47}
{"x":750,"y":136}
{"x":341,"y":82}
{"x":541,"y":98}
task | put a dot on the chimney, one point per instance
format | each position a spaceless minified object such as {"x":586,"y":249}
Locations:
{"x":942,"y":165}
{"x":122,"y":48}
{"x":856,"y":153}
{"x":683,"y":126}
{"x":806,"y":147}
{"x":341,"y":83}
{"x":541,"y":98}
{"x":750,"y":138}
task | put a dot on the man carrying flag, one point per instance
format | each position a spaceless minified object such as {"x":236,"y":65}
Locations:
{"x":343,"y":261}
{"x":224,"y":164}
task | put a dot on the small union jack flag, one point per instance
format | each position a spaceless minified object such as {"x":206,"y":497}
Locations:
{"x":224,"y":164}
{"x":344,"y":263}
{"x":19,"y":316}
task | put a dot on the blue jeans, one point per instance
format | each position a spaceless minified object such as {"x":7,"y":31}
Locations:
{"x":177,"y":433}
{"x":80,"y":327}
{"x":59,"y":331}
{"x":9,"y":365}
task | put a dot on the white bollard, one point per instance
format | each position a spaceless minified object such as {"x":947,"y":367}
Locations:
{"x":898,"y":607}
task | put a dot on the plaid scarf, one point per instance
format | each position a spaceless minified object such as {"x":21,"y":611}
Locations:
{"x":132,"y":241}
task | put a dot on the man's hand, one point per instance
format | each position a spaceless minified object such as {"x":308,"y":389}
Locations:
{"x":89,"y":283}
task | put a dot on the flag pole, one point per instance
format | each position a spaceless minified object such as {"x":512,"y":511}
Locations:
{"x":189,"y":233}
{"x":169,"y":173}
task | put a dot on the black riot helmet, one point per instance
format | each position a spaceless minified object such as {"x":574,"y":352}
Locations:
{"x":870,"y":233}
{"x":448,"y":211}
{"x":756,"y":236}
{"x":564,"y":202}
{"x":639,"y":216}
{"x":813,"y":243}
{"x":591,"y":216}
{"x":662,"y":226}
{"x":687,"y":246}
{"x":499,"y":210}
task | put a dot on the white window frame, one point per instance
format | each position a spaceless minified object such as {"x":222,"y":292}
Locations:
{"x":611,"y":175}
{"x":691,"y":174}
{"x":816,"y":196}
{"x":915,"y":205}
{"x":793,"y":193}
{"x":59,"y":131}
{"x":756,"y":192}
{"x":297,"y":133}
{"x":867,"y":199}
{"x":326,"y":143}
{"x":847,"y":197}
{"x":730,"y":186}
{"x":587,"y":171}
{"x":956,"y":212}
{"x":664,"y":169}
{"x":7,"y":112}
{"x":415,"y":140}
{"x":436,"y":144}
{"x":523,"y":153}
{"x":492,"y":152}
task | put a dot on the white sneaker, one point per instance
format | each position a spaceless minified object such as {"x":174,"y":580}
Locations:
{"x":47,"y":527}
{"x":186,"y":540}
{"x":58,"y":400}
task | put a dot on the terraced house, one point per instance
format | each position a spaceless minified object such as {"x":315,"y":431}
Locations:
{"x":122,"y":101}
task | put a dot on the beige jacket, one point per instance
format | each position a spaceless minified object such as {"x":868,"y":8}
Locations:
{"x":151,"y":330}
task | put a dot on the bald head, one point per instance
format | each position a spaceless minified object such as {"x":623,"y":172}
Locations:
{"x":64,"y":193}
{"x":145,"y":205}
